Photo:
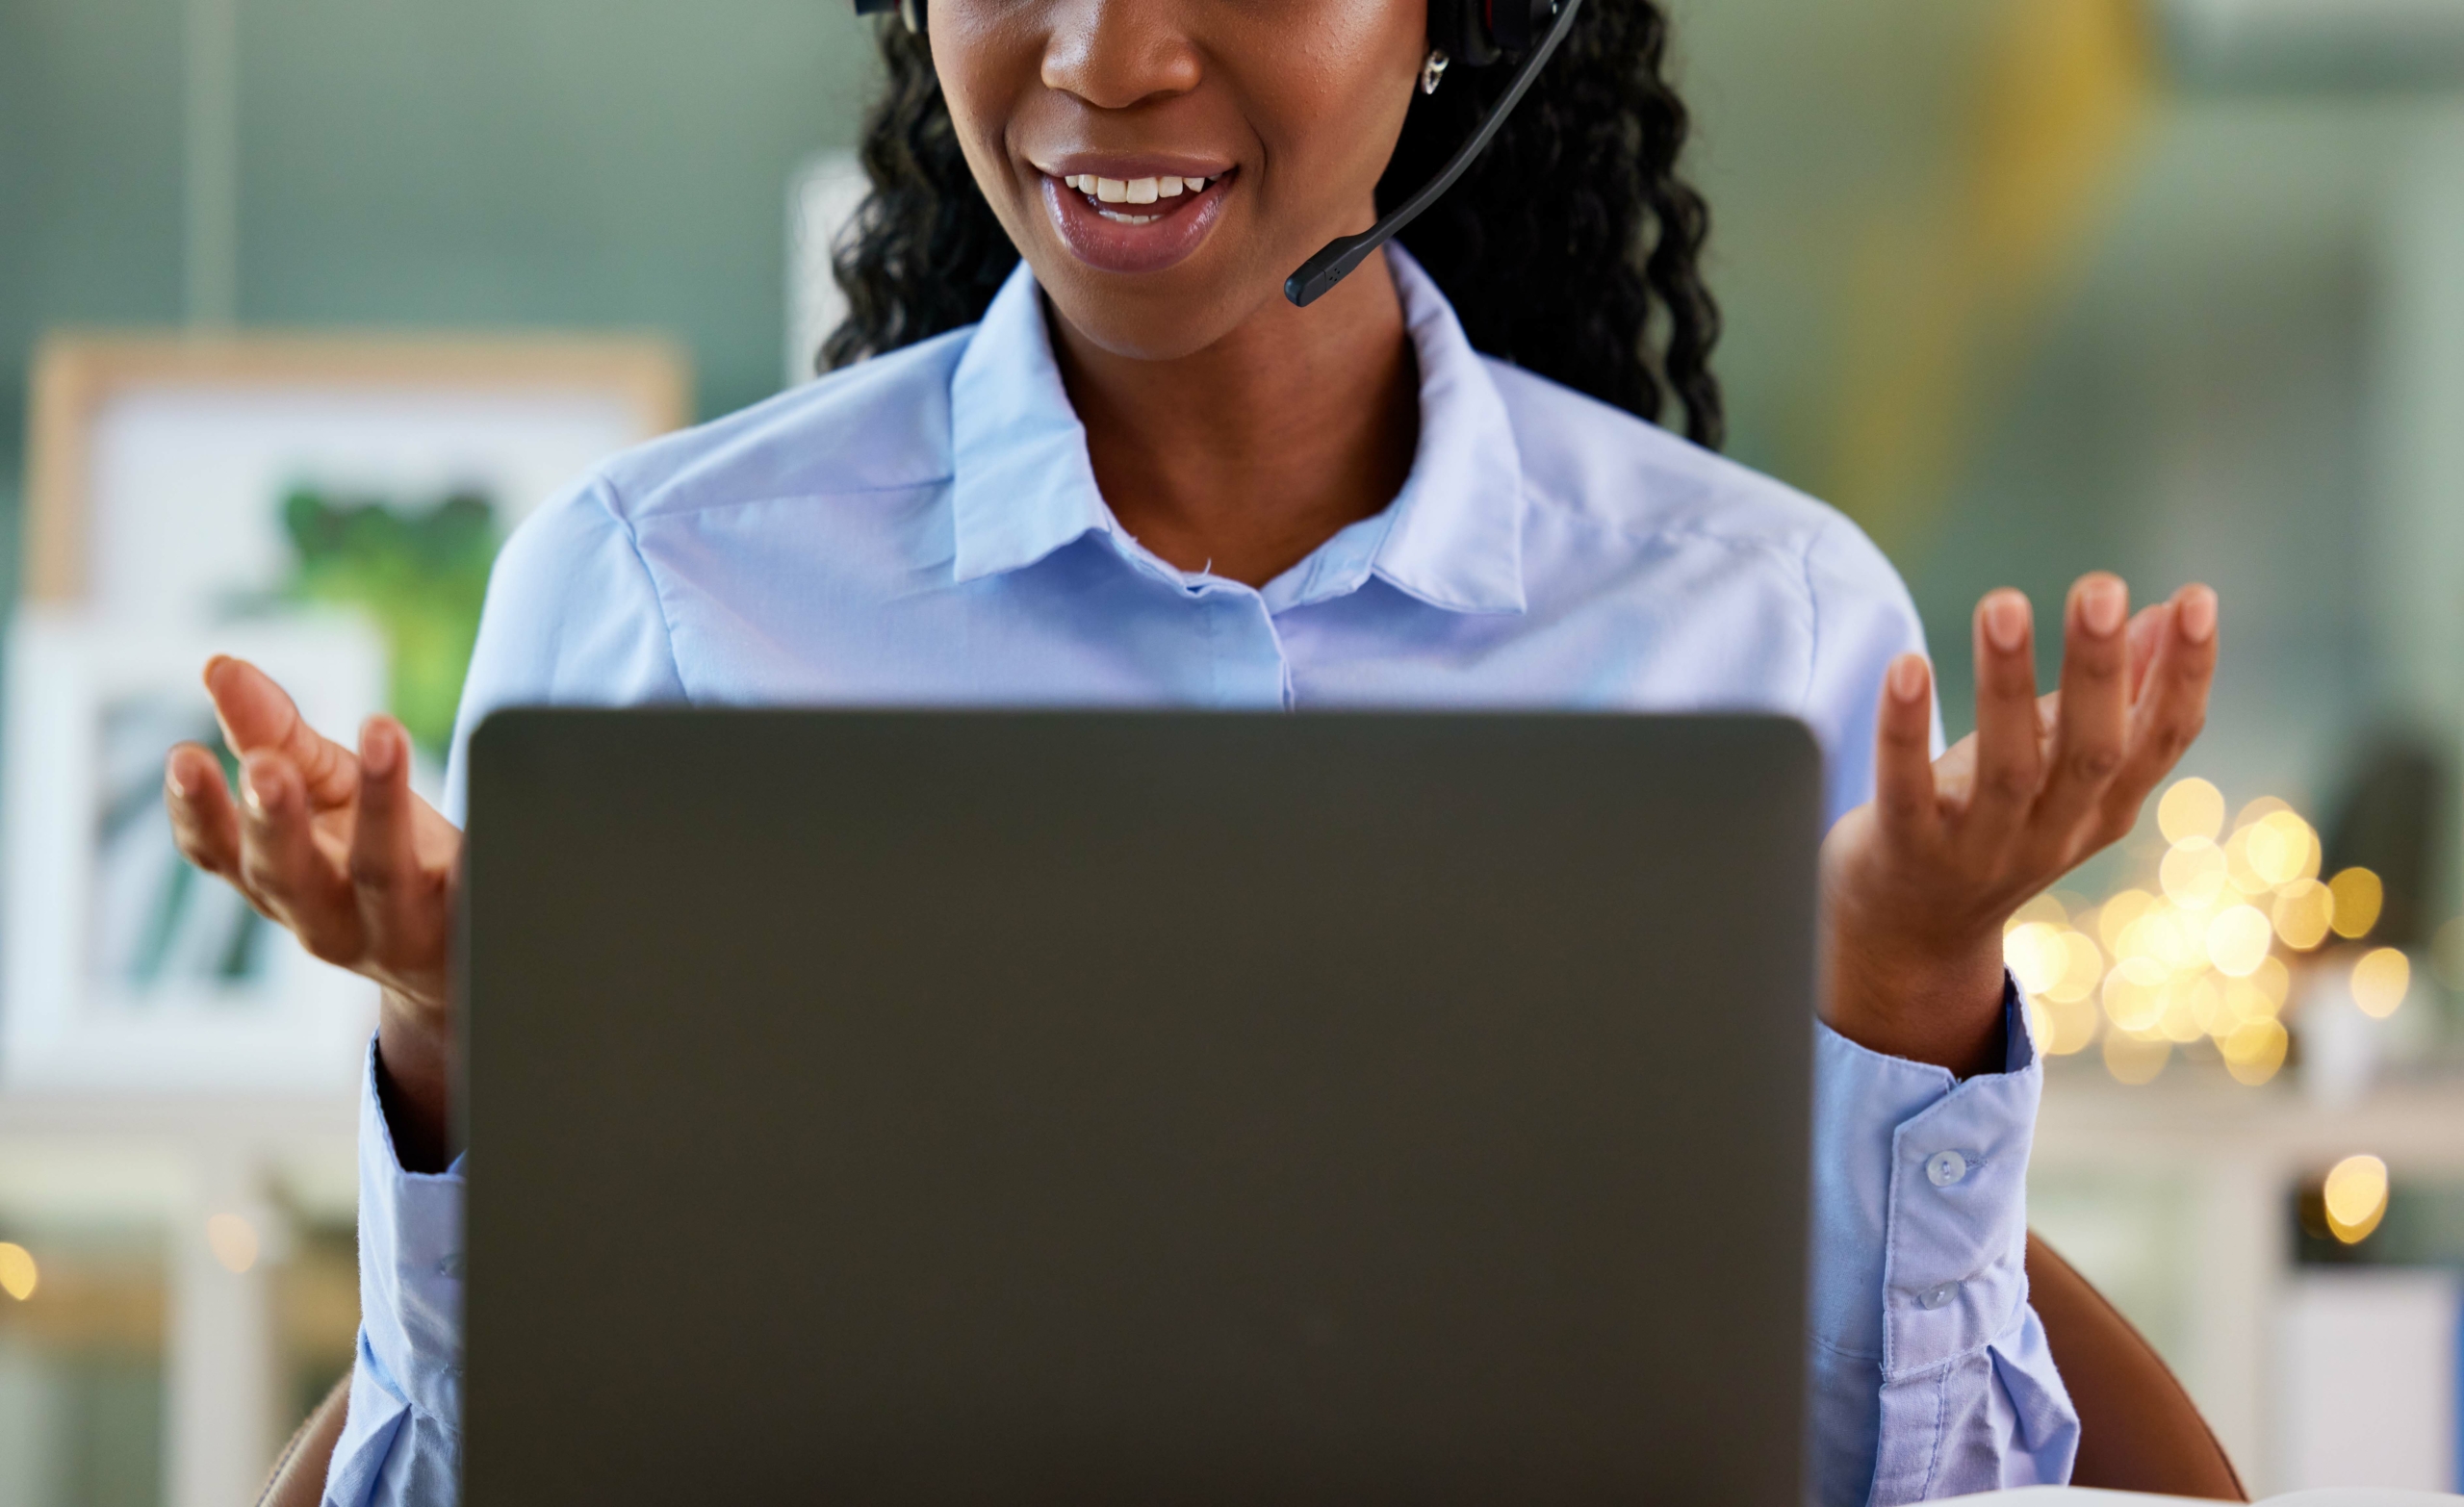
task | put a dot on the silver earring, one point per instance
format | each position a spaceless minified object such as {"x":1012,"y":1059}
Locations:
{"x":1432,"y":69}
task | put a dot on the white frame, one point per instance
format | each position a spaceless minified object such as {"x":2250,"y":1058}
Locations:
{"x":303,"y":1025}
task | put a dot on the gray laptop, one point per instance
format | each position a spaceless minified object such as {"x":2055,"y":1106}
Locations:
{"x":984,"y":1110}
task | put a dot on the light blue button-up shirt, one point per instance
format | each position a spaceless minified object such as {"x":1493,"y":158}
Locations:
{"x":925,"y":528}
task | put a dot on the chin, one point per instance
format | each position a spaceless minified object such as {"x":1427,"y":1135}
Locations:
{"x":1152,"y":315}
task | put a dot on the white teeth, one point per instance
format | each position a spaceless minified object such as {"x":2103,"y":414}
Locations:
{"x":1135,"y":191}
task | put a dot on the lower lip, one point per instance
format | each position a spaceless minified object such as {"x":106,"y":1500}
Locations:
{"x":1177,"y":227}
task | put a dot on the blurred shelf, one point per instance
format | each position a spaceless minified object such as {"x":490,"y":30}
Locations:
{"x":2415,"y":1124}
{"x":242,"y":1117}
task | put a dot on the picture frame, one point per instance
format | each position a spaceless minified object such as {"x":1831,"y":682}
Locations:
{"x":326,"y":505}
{"x":124,"y":967}
{"x":592,"y":388}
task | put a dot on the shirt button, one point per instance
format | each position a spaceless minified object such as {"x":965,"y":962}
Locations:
{"x":1937,"y":1297}
{"x":451,"y":1267}
{"x":1946,"y":1168}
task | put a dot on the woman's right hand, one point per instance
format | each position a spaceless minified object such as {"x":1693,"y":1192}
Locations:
{"x":336,"y":848}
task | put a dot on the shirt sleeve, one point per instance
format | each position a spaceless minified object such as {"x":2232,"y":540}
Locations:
{"x":572,"y":617}
{"x":1929,"y":1373}
{"x":1930,"y":1376}
{"x":401,"y":1439}
{"x":1862,"y":620}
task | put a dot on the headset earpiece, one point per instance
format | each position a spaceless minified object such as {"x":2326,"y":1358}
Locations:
{"x":1455,"y":28}
{"x":1480,"y":33}
{"x":912,"y":11}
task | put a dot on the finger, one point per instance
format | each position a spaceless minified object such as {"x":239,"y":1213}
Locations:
{"x":2008,"y":758}
{"x":1903,"y":794}
{"x":282,"y":865}
{"x":2148,"y":628}
{"x":2094,"y":724}
{"x":2172,"y":709}
{"x":205,"y":822}
{"x":258,"y":715}
{"x":397,"y":913}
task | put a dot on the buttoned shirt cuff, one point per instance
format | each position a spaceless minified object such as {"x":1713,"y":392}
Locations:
{"x":1954,"y":1273}
{"x":1920,"y":1183}
{"x":410,"y":1270}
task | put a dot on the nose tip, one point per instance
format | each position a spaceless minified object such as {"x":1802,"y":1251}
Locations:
{"x":1114,"y":56}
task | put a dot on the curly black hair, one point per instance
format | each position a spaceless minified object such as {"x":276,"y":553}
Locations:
{"x":1571,"y":247}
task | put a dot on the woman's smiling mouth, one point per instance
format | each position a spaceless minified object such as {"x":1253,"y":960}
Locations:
{"x":1106,"y":192}
{"x":1126,"y":215}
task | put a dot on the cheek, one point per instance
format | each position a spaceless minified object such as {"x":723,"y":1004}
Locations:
{"x":1330,"y":108}
{"x":984,"y":70}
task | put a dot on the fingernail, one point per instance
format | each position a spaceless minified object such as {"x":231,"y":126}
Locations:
{"x":1906,"y":678}
{"x":2199,"y":614}
{"x":210,"y":666}
{"x":2006,"y":621}
{"x":377,"y":749}
{"x":249,"y":791}
{"x":2102,"y":604}
{"x":181,"y":787}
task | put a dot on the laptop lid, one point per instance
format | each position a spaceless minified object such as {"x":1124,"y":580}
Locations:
{"x":1137,"y":1108}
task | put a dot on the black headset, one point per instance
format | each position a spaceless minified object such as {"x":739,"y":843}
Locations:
{"x":1470,"y":34}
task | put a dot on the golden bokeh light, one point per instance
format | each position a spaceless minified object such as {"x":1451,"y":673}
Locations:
{"x":2359,"y":898}
{"x":2244,"y":1000}
{"x":2142,"y":970}
{"x":2355,"y":1195}
{"x":2238,"y":940}
{"x":2035,"y":955}
{"x":2160,"y":943}
{"x":2083,"y":968}
{"x":2133,"y":1060}
{"x":2236,"y":864}
{"x":2180,"y":1021}
{"x":2304,"y":910}
{"x":2380,"y":980}
{"x":18,"y":1275}
{"x":2212,"y":1005}
{"x":2259,"y":810}
{"x":2193,"y":874}
{"x":2115,"y":917}
{"x":2191,"y":809}
{"x":2130,"y":1005}
{"x":233,"y":1242}
{"x":2283,"y":848}
{"x":2254,"y":1050}
{"x":2065,"y":1026}
{"x":2202,"y":956}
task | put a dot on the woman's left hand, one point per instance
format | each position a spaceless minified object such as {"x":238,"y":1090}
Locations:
{"x":1916,"y":884}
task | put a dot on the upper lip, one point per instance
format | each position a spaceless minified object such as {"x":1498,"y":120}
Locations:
{"x":1126,"y":165}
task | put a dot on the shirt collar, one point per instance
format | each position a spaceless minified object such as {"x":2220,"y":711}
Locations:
{"x":1022,"y":485}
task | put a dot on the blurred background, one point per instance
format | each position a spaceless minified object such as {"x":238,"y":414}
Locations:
{"x":303,"y":302}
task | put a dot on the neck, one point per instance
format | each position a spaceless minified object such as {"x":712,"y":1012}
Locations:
{"x":1244,"y":456}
